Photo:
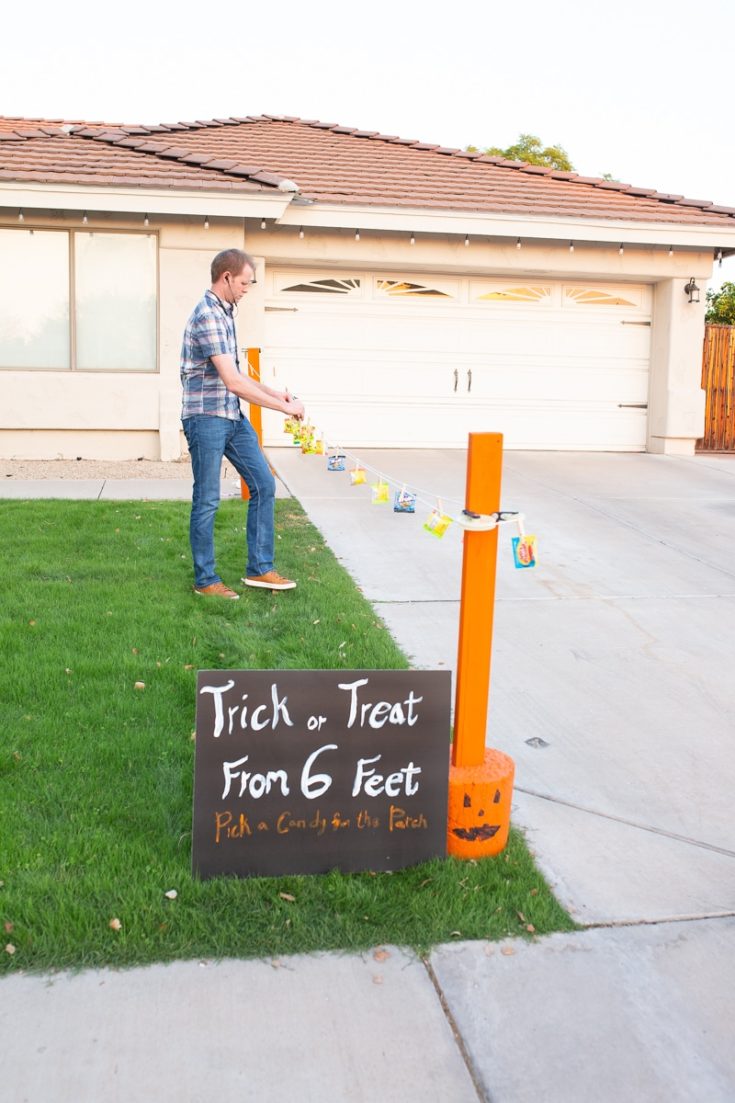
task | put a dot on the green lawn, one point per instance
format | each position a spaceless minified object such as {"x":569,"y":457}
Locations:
{"x":96,"y":775}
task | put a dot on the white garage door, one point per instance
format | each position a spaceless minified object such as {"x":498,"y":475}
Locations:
{"x":420,"y":360}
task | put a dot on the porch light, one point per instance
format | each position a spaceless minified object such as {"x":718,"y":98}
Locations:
{"x":301,"y":232}
{"x":719,"y":257}
{"x":621,"y":250}
{"x":413,"y":240}
{"x":518,"y":243}
{"x":671,"y":250}
{"x":571,"y":246}
{"x":85,"y":220}
{"x":357,"y":235}
{"x":21,"y":218}
{"x":466,"y":239}
{"x":146,"y":221}
{"x":206,"y":222}
{"x":262,"y":224}
{"x":692,"y":291}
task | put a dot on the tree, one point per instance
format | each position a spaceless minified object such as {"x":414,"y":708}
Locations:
{"x":530,"y":148}
{"x":721,"y":305}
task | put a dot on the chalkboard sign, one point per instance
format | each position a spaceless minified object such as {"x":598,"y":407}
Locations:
{"x":303,"y":771}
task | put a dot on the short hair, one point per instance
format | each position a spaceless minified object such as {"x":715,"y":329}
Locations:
{"x":230,"y":260}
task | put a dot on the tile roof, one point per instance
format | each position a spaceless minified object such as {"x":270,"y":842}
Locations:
{"x":63,"y":159}
{"x":330,"y":164}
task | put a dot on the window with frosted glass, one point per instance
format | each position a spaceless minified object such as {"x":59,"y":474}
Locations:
{"x":115,"y":301}
{"x":34,"y":299}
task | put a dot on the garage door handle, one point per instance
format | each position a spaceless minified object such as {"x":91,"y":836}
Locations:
{"x":456,"y":379}
{"x":632,"y":405}
{"x":469,"y":380}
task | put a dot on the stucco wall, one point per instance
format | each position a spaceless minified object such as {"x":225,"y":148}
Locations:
{"x":119,"y":414}
{"x":676,"y":400}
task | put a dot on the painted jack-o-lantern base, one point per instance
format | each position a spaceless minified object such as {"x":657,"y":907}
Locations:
{"x":479,"y":806}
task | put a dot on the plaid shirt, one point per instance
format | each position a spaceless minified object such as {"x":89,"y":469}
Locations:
{"x":209,"y":332}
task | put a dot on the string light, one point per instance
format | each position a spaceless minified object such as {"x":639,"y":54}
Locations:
{"x":146,"y":221}
{"x":85,"y":220}
{"x":518,"y":243}
{"x":467,"y":239}
{"x":357,"y":235}
{"x":301,"y":232}
{"x":571,"y":246}
{"x":206,"y":222}
{"x":21,"y":216}
{"x":621,"y":250}
{"x":412,"y":240}
{"x":262,"y":224}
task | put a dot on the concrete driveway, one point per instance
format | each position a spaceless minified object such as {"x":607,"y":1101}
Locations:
{"x":618,"y":652}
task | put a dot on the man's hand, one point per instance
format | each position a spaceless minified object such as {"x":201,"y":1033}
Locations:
{"x":251,"y":391}
{"x":294,"y":406}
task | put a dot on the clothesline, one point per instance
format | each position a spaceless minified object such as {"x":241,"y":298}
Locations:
{"x":314,"y":441}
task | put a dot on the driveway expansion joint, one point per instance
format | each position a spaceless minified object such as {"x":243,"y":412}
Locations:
{"x":613,"y":923}
{"x":415,"y":601}
{"x":628,"y":823}
{"x":472,"y":1072}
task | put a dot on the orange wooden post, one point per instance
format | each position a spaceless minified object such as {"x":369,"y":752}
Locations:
{"x":480,"y":779}
{"x":256,"y":414}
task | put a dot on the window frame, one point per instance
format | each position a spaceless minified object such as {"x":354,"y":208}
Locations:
{"x":71,"y":232}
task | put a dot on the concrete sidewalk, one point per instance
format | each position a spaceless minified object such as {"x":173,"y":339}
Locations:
{"x":642,"y":1014}
{"x":617,"y":653}
{"x":146,"y":490}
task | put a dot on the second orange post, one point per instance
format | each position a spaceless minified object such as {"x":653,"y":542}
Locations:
{"x":256,"y":414}
{"x":480,"y":779}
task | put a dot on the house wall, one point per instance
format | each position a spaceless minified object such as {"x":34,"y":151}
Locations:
{"x":46,"y":414}
{"x":676,"y":399}
{"x":116,"y":415}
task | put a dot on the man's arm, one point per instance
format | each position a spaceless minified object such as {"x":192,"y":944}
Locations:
{"x":257,"y":393}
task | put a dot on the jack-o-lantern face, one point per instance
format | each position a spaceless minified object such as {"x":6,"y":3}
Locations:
{"x":479,"y":806}
{"x":481,"y":829}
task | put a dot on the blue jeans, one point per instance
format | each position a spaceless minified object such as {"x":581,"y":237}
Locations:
{"x":209,"y":439}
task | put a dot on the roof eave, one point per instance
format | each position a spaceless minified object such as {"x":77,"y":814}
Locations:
{"x":500,"y":224}
{"x":118,"y":199}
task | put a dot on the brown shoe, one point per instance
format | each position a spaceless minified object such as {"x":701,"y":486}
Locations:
{"x":270,"y":581}
{"x":217,"y":589}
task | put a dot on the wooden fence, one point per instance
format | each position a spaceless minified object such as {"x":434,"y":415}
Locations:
{"x":718,"y":381}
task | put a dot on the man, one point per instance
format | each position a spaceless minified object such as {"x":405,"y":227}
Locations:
{"x":215,"y":427}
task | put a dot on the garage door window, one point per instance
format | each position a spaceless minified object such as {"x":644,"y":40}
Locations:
{"x":405,"y":289}
{"x":326,"y":286}
{"x":593,"y":296}
{"x":525,"y":294}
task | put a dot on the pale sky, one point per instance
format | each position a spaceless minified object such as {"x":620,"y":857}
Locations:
{"x":638,"y":88}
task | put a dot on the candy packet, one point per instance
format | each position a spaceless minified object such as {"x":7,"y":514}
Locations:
{"x":524,"y":551}
{"x":437,"y":523}
{"x":381,"y":493}
{"x":404,"y":501}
